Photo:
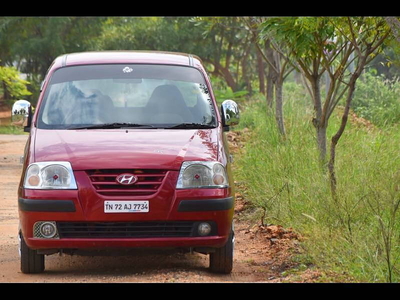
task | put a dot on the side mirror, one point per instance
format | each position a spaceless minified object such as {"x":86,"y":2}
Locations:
{"x":230,"y":114}
{"x":21,"y":114}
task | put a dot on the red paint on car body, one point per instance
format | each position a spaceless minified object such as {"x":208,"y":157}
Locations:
{"x":154,"y":156}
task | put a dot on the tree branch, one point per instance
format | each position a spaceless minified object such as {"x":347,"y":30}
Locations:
{"x":394,"y":25}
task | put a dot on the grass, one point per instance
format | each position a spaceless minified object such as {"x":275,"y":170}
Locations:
{"x":10,"y":129}
{"x":359,"y":233}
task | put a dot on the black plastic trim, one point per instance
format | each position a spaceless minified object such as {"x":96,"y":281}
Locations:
{"x":46,"y":205}
{"x":206,"y":205}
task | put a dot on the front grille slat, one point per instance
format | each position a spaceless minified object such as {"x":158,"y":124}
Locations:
{"x":137,"y":183}
{"x":148,"y":182}
{"x":126,"y":171}
{"x":109,"y":191}
{"x":125,"y":229}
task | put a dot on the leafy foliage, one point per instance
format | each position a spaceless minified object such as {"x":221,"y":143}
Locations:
{"x":303,"y":35}
{"x":36,"y":41}
{"x":32,"y":43}
{"x":377,"y":99}
{"x":13,"y":83}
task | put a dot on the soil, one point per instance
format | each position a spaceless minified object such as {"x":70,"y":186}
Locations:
{"x":262,"y":253}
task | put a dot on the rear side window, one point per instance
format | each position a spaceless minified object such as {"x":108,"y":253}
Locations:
{"x":160,"y":95}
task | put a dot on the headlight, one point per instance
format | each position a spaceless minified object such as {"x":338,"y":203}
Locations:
{"x":202,"y":174}
{"x":50,"y":175}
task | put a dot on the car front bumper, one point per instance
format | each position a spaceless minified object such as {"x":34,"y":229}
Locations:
{"x":102,"y":231}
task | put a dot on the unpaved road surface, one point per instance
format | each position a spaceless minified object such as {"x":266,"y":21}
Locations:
{"x":261,"y":253}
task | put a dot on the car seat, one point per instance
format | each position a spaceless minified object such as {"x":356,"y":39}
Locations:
{"x":167,"y":106}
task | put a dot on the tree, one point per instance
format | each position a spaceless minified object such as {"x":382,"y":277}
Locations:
{"x":366,"y":35}
{"x":326,"y":44}
{"x":223,"y":43}
{"x":8,"y":36}
{"x":32,"y":43}
{"x":308,"y":39}
{"x":394,"y":24}
{"x":45,"y":38}
{"x":278,"y":69}
{"x":227,"y":46}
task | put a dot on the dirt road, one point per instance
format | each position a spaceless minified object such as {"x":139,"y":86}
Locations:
{"x":261,"y":254}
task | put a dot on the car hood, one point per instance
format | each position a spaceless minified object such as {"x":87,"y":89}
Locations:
{"x":125,"y":149}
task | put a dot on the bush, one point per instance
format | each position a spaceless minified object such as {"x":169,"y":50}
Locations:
{"x":377,"y":99}
{"x":223,"y":92}
{"x":15,"y":86}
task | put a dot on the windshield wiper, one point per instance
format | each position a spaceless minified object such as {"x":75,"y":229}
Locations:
{"x":113,"y":125}
{"x":191,"y":126}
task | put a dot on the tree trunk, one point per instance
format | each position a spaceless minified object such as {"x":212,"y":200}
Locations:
{"x":321,"y":142}
{"x":297,"y":77}
{"x":230,"y":80}
{"x":219,"y":70}
{"x":260,"y":69}
{"x":279,"y":107}
{"x":279,"y":96}
{"x":245,"y":71}
{"x":352,"y":86}
{"x":336,"y":137}
{"x":270,"y":89}
{"x":272,"y":75}
{"x":320,"y":126}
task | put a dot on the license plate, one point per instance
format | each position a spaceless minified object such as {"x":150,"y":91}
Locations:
{"x":126,"y":206}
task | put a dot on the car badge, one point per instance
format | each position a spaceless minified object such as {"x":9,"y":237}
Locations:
{"x":126,"y":179}
{"x":127,"y":70}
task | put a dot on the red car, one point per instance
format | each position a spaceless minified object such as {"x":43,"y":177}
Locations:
{"x":127,"y":150}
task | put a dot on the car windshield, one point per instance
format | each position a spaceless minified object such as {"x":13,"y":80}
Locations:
{"x":134,"y":96}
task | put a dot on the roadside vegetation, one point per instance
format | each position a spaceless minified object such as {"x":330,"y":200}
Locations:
{"x":357,"y":232}
{"x":11,"y":129}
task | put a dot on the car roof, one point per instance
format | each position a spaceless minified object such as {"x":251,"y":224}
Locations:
{"x":125,"y":57}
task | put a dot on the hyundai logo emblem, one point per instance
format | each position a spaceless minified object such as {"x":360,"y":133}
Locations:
{"x":126,"y":179}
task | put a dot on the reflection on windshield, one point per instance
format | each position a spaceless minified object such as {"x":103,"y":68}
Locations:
{"x":148,"y":101}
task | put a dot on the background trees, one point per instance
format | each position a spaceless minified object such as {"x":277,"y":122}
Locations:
{"x":31,"y":43}
{"x":252,"y":54}
{"x":248,"y":54}
{"x":340,"y":47}
{"x":343,"y":63}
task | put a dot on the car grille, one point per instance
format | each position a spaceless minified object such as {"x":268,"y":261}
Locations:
{"x":148,"y":182}
{"x":125,"y":229}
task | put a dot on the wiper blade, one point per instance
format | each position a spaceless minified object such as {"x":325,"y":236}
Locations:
{"x":191,"y":126}
{"x":113,"y":125}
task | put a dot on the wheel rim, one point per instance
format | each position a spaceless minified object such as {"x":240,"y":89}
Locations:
{"x":233,"y":245}
{"x":19,"y":244}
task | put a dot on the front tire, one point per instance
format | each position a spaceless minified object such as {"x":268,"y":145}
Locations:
{"x":221,"y":261}
{"x":31,"y":261}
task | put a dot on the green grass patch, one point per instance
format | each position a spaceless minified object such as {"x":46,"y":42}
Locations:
{"x":359,"y":233}
{"x":10,"y":129}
